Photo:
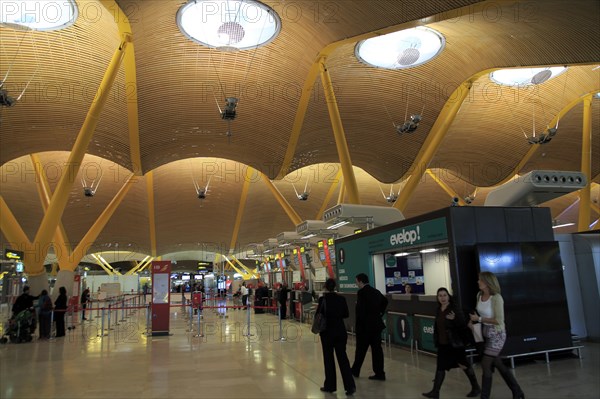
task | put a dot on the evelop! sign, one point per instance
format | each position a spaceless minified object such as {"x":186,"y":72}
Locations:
{"x":406,"y":236}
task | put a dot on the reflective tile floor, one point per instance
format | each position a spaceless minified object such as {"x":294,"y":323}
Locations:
{"x":125,"y":362}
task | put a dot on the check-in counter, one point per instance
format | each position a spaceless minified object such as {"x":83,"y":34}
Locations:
{"x":409,"y":319}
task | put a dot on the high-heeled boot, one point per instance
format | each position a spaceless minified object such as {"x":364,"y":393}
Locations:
{"x":486,"y":387}
{"x":509,"y":379}
{"x":475,"y":388}
{"x":437,"y":384}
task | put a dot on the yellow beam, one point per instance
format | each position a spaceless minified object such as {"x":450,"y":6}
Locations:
{"x":434,"y":139}
{"x":334,"y":184}
{"x":340,"y":136}
{"x":534,"y":147}
{"x":243,"y":266}
{"x":586,"y":166}
{"x":130,"y":86}
{"x":151,"y":216}
{"x":294,"y":217}
{"x":341,"y":193}
{"x":138,"y":266}
{"x":12,"y":229}
{"x":145,"y":265}
{"x":99,"y":262}
{"x":105,"y":262}
{"x":60,"y":242}
{"x":313,"y":72}
{"x":595,"y":208}
{"x":241,"y":206}
{"x":96,"y":229}
{"x":61,"y":193}
{"x":241,"y":272}
{"x":449,"y":190}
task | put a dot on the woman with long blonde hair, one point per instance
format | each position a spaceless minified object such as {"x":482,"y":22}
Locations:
{"x":490,"y":313}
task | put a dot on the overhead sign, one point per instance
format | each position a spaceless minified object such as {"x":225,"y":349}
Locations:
{"x":13,"y":255}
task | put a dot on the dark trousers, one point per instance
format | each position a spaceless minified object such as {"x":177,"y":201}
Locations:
{"x":59,"y":317}
{"x":283,"y":308}
{"x":83,"y":306}
{"x":337,"y":343}
{"x":45,"y":325}
{"x":363,"y":341}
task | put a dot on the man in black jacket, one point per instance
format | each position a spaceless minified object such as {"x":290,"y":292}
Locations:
{"x":24,"y":301}
{"x":370,"y":307}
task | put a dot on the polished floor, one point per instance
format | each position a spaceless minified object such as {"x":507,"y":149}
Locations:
{"x":226,"y":362}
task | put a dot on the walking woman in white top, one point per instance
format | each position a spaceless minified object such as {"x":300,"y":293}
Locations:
{"x":490,"y":309}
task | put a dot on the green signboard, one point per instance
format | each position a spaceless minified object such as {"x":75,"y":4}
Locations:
{"x":354,"y":254}
{"x":425,"y":333}
{"x":400,"y":328}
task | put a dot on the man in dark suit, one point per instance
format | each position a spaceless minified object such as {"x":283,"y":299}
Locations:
{"x":370,"y":307}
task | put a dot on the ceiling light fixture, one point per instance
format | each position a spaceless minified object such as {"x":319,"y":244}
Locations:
{"x":525,"y":76}
{"x":38,"y":14}
{"x":400,"y":50}
{"x":229,"y":25}
{"x":339,"y":224}
{"x":399,"y":254}
{"x":428,"y":250}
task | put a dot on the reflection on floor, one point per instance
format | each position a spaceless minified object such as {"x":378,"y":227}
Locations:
{"x":227,"y":363}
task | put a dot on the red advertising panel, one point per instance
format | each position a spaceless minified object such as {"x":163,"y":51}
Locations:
{"x":161,"y":296}
{"x":328,"y":259}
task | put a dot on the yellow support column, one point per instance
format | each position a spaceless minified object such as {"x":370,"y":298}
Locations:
{"x":292,"y":214}
{"x":12,"y":229}
{"x":89,"y":237}
{"x":60,"y":241}
{"x":151,"y":217}
{"x":449,"y":190}
{"x":340,"y":136}
{"x":61,"y":193}
{"x":241,"y":206}
{"x":336,"y":181}
{"x":433,"y":141}
{"x":586,"y":166}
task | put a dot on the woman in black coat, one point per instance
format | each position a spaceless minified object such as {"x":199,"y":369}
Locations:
{"x":60,"y":308}
{"x":334,"y":338}
{"x":449,"y":334}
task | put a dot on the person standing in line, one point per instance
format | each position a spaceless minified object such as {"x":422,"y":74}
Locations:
{"x":60,"y":308}
{"x":85,"y":298}
{"x":244,"y":291}
{"x":45,"y":314}
{"x":283,"y":297}
{"x":490,"y":312}
{"x":449,"y":338}
{"x":334,"y":338}
{"x":370,"y":308}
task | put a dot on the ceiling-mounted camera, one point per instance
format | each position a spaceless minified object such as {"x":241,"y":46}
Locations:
{"x":455,"y":201}
{"x":410,"y":125}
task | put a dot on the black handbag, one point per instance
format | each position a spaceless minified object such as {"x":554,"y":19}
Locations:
{"x":319,"y":322}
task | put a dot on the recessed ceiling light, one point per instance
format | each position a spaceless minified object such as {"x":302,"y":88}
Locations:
{"x":38,"y":14}
{"x":229,"y":25}
{"x":525,"y":76}
{"x":400,"y":50}
{"x":401,"y":254}
{"x":428,"y":250}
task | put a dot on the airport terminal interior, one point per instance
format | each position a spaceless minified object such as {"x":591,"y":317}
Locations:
{"x":215,"y":142}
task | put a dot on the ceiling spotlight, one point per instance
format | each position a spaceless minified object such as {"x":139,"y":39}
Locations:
{"x":229,"y":113}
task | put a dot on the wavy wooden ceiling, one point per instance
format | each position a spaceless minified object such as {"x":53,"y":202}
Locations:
{"x":182,"y":136}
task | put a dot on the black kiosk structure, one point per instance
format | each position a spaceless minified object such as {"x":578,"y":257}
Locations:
{"x":448,"y":248}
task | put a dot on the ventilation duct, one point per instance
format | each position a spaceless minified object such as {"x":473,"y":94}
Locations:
{"x":362,"y":215}
{"x":536,"y":187}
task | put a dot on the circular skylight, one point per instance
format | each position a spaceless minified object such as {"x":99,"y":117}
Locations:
{"x":399,"y":50}
{"x":525,"y":76}
{"x":228,"y":25}
{"x":38,"y":14}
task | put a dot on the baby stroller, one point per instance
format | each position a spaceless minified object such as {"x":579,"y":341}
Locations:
{"x":21,"y":327}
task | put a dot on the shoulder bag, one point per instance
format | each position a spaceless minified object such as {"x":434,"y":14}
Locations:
{"x":319,"y":322}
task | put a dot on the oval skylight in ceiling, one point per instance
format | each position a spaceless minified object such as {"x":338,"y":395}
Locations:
{"x":400,"y":50}
{"x":229,"y":25}
{"x":38,"y":14}
{"x":525,"y":76}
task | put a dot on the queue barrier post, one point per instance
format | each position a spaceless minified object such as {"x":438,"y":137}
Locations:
{"x":200,"y":333}
{"x":122,"y":309}
{"x":281,"y":337}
